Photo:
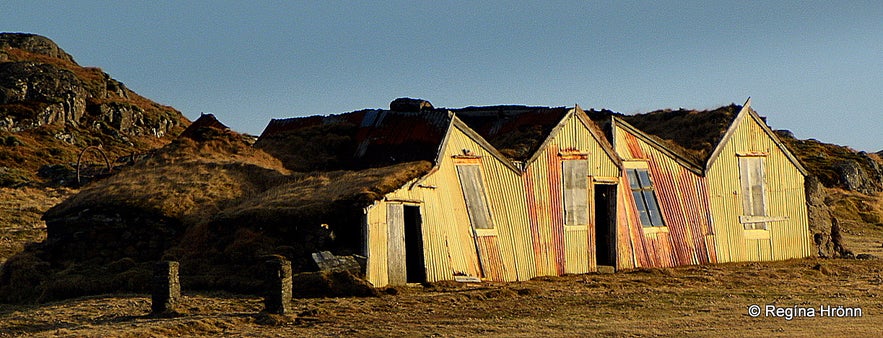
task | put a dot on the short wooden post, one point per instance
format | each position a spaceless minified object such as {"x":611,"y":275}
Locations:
{"x":166,"y":288}
{"x":277,"y":284}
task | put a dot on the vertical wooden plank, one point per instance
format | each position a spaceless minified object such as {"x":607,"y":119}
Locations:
{"x":575,"y":192}
{"x":473,"y":191}
{"x":397,"y":268}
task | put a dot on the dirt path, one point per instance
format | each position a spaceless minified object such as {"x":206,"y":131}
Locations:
{"x":698,"y":300}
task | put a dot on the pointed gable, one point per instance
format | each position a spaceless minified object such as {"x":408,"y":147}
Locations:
{"x":747,"y":113}
{"x":515,"y":131}
{"x":691,"y":133}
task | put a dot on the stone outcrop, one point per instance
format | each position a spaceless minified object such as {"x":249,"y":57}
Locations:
{"x":41,"y":84}
{"x":864,"y":175}
{"x":61,"y":107}
{"x":32,"y":43}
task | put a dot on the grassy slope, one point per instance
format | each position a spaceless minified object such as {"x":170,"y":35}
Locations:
{"x":20,"y":211}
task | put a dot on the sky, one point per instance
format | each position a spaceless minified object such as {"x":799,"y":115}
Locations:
{"x":812,"y":67}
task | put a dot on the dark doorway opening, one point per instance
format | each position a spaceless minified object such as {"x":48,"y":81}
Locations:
{"x":605,"y":224}
{"x":416,"y":268}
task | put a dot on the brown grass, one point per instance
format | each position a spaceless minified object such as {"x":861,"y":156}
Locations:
{"x":861,"y":219}
{"x":821,"y":159}
{"x":694,"y":133}
{"x":20,"y":211}
{"x":318,"y":193}
{"x":187,"y":180}
{"x":695,"y":300}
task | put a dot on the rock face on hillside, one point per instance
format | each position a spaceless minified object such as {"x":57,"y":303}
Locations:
{"x":51,"y":107}
{"x":835,"y":167}
{"x":838,"y":166}
{"x":33,"y":44}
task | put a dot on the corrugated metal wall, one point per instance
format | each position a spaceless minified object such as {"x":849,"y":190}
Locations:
{"x":450,"y":246}
{"x":525,"y":242}
{"x":785,"y":197}
{"x":681,"y":195}
{"x":559,"y":250}
{"x":530,"y":239}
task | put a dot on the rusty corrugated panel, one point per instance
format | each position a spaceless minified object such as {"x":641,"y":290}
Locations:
{"x":705,"y":203}
{"x":626,"y":249}
{"x":492,"y":262}
{"x":677,"y":190}
{"x":556,"y":206}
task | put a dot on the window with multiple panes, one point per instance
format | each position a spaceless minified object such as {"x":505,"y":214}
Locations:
{"x":476,"y":200}
{"x":645,"y":197}
{"x":753,"y":200}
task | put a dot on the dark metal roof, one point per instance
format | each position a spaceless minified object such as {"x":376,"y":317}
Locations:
{"x":516,"y":131}
{"x":355,"y":140}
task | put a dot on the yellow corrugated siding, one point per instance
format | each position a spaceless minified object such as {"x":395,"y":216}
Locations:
{"x":577,"y":256}
{"x":376,"y":270}
{"x":449,"y":246}
{"x":785,"y":196}
{"x":557,"y":251}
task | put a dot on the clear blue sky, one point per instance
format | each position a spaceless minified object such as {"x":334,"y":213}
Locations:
{"x":813,"y":67}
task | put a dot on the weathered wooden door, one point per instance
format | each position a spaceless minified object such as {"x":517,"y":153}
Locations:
{"x":397,"y":267}
{"x":405,"y":262}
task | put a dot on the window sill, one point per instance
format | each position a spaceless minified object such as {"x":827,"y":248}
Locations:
{"x":485,"y":232}
{"x":655,"y":230}
{"x":761,"y":219}
{"x":757,"y":234}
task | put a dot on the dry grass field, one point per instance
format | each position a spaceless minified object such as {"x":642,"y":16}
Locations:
{"x":20,"y":211}
{"x":697,"y":300}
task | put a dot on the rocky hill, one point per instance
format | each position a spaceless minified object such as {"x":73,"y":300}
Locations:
{"x":51,"y":108}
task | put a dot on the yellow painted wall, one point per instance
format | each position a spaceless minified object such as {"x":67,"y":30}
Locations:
{"x":449,"y":243}
{"x":558,"y":250}
{"x":785,"y":197}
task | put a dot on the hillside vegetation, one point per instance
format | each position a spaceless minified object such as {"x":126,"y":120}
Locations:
{"x":51,"y":108}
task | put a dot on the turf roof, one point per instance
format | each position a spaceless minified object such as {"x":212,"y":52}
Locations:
{"x":355,"y":140}
{"x":516,"y":131}
{"x":691,"y":133}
